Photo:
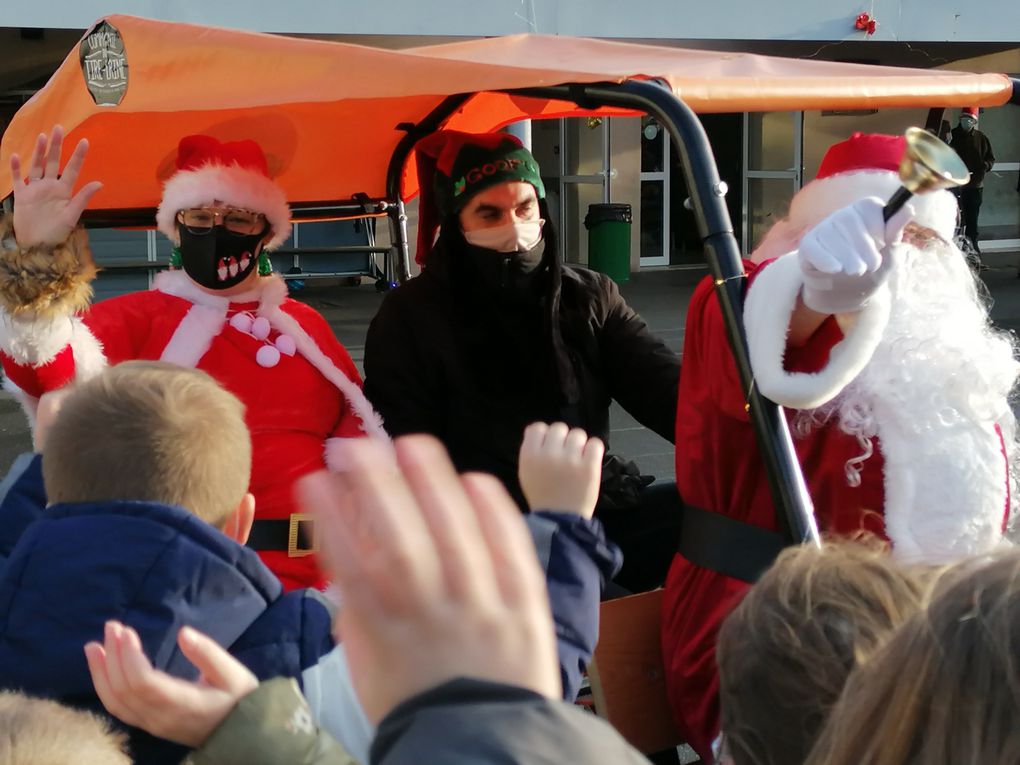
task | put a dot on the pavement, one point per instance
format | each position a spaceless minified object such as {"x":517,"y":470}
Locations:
{"x":660,"y":296}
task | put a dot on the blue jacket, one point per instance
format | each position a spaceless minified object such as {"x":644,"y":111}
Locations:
{"x":156,"y":568}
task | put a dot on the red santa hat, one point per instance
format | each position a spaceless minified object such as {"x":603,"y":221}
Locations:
{"x":233,"y":174}
{"x":969,"y":111}
{"x":867,"y":165}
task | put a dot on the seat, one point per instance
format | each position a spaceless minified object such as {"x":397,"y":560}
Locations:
{"x":628,"y":680}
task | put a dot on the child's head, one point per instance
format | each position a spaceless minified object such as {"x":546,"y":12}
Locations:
{"x":785,"y":652}
{"x":945,"y":689}
{"x":150,"y":431}
{"x":41,"y":732}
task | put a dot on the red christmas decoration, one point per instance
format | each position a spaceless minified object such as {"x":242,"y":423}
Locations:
{"x":866,"y":24}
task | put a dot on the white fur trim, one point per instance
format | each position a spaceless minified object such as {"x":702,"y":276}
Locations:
{"x":270,"y":290}
{"x":371,"y":422}
{"x":231,"y":185}
{"x":34,"y":342}
{"x":193,"y":336}
{"x":209,"y":314}
{"x":30,"y":404}
{"x":89,"y":357}
{"x":771,"y":301}
{"x":823,"y":196}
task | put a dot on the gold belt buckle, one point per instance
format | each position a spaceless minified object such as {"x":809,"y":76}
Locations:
{"x":294,"y":549}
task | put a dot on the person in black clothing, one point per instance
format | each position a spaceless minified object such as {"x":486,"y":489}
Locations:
{"x":497,"y":333}
{"x":975,"y":150}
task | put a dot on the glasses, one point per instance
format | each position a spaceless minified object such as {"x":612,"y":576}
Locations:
{"x":200,"y":220}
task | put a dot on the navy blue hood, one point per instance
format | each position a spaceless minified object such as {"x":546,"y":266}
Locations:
{"x":153,"y":567}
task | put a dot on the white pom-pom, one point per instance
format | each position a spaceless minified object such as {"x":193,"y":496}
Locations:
{"x":260,"y":328}
{"x":286,"y":345}
{"x":241,"y":322}
{"x":267,"y":356}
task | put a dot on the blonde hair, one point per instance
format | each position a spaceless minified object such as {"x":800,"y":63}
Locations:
{"x":150,"y":431}
{"x":42,"y":732}
{"x":786,"y":651}
{"x":945,"y":690}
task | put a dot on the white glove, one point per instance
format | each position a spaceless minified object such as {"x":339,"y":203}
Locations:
{"x":844,"y":259}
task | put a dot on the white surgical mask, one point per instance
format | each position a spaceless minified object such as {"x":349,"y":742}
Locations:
{"x":512,"y":237}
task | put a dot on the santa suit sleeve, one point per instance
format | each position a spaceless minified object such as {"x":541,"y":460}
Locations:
{"x":40,"y":355}
{"x":812,"y":375}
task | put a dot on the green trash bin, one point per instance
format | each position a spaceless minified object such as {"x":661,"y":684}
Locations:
{"x":609,"y":240}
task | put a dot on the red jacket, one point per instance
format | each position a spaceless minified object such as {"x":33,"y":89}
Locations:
{"x":293,"y":409}
{"x":718,"y":468}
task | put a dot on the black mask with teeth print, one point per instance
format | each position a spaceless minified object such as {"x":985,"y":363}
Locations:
{"x":219,"y":259}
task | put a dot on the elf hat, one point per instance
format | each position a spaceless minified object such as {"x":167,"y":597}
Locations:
{"x":454,"y":166}
{"x":233,"y":174}
{"x":867,"y":165}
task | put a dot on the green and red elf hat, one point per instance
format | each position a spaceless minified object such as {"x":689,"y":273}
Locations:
{"x":454,"y":166}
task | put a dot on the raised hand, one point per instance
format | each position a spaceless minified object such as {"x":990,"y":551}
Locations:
{"x":560,"y":469}
{"x":46,"y":209}
{"x":438,"y":575}
{"x":177,"y":710}
{"x":844,"y":259}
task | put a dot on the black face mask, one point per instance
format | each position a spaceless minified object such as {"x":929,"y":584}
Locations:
{"x":508,"y":272}
{"x":219,"y":260}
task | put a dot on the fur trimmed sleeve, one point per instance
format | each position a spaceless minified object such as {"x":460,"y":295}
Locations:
{"x":44,"y":282}
{"x":770,"y":303}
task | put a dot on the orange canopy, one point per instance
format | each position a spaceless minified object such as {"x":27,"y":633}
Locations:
{"x":329,"y":115}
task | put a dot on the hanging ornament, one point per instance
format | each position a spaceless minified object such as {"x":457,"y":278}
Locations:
{"x":866,"y":24}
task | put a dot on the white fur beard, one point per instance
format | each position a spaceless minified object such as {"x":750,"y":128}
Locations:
{"x":936,"y":386}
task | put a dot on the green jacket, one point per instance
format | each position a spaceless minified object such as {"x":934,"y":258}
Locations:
{"x":462,"y":722}
{"x":271,"y":725}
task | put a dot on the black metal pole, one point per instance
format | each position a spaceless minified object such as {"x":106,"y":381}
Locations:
{"x":401,"y":264}
{"x":794,"y":510}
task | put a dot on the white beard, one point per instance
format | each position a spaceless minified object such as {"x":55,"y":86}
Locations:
{"x":938,"y":382}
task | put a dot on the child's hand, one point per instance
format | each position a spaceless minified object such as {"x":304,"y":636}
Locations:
{"x":560,"y":469}
{"x":437,"y":574}
{"x":178,"y":710}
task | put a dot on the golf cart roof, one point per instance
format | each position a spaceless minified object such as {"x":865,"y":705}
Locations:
{"x":330,"y":116}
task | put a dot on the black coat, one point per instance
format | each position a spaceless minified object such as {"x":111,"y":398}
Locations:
{"x":448,"y":355}
{"x":975,"y":150}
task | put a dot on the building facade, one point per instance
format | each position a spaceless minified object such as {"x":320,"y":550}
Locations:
{"x":764,"y":158}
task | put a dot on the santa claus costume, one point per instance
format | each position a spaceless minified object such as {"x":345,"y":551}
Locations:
{"x":299,"y":386}
{"x":898,"y":404}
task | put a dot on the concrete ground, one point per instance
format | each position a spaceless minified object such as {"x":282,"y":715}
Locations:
{"x":659,"y":296}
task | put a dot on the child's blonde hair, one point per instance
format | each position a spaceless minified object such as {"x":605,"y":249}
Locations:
{"x":42,"y":732}
{"x":150,"y":431}
{"x":786,"y":651}
{"x":945,"y":689}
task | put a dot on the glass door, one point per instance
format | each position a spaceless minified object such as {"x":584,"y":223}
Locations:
{"x":584,"y":180}
{"x":773,"y":149}
{"x":655,"y":203}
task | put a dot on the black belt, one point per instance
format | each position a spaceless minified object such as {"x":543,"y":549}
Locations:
{"x":296,"y":535}
{"x":727,"y":546}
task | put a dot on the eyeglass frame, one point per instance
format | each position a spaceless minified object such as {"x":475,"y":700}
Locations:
{"x":219,"y":215}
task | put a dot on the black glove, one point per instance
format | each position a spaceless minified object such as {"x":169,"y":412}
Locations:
{"x":622,"y":484}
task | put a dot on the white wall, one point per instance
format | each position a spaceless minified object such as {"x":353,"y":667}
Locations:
{"x":899,"y":20}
